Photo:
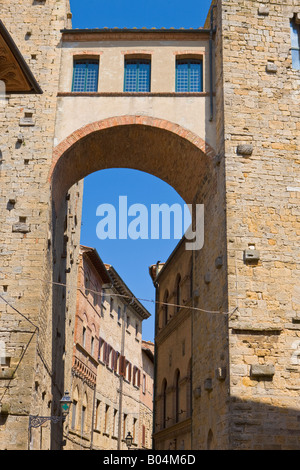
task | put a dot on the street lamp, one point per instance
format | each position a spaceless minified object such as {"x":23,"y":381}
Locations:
{"x":128,"y":440}
{"x":65,"y":403}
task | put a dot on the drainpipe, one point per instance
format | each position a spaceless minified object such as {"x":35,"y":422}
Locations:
{"x":212,"y":31}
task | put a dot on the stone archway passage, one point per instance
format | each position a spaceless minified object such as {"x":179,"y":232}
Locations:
{"x":164,"y":149}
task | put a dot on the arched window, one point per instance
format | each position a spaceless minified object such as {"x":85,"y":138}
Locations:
{"x":74,"y":408}
{"x":165,"y":308}
{"x":83,"y":414}
{"x":177,"y":396}
{"x":178,"y":293}
{"x":164,"y":404}
{"x":210,"y":440}
{"x":189,"y":389}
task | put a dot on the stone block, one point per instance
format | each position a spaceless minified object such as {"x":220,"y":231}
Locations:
{"x":262,"y":370}
{"x":245,"y":149}
{"x":263,"y":10}
{"x":21,"y":227}
{"x":271,"y":67}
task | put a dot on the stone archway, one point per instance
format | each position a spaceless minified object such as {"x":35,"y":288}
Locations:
{"x":156,"y":146}
{"x":164,"y":149}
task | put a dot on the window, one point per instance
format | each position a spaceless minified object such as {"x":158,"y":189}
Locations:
{"x":164,"y":404}
{"x":295,"y":38}
{"x":83,"y":336}
{"x":189,"y":75}
{"x":144,"y":384}
{"x":111,"y":307}
{"x":74,"y":409}
{"x":92,"y":346}
{"x":124,"y":425}
{"x":134,"y":434}
{"x":85,"y":75}
{"x":119,"y":314}
{"x":106,"y":416}
{"x":97,"y":423}
{"x":177,"y":411}
{"x":114,"y":431}
{"x":137,"y":75}
{"x":83,"y":419}
{"x":178,"y":293}
{"x":143,"y":435}
{"x":165,"y":308}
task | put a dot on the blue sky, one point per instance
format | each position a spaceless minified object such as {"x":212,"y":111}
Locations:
{"x":132,"y":258}
{"x":143,"y":13}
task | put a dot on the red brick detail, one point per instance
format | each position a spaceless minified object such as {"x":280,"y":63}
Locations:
{"x":137,"y":52}
{"x":190,"y":52}
{"x":87,"y":53}
{"x":126,"y":120}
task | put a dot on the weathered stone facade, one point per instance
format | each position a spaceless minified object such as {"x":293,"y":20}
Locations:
{"x":108,"y":367}
{"x":241,"y":160}
{"x":173,"y":352}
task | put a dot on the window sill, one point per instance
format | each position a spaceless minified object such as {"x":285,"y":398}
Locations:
{"x":136,"y":94}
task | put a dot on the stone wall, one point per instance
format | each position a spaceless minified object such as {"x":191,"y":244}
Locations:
{"x":261,"y":135}
{"x":25,"y":257}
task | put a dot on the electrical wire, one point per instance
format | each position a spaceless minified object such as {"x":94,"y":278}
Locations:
{"x":132,"y":298}
{"x":16,"y":310}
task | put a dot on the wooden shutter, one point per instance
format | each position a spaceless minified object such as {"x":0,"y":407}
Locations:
{"x":122,"y":366}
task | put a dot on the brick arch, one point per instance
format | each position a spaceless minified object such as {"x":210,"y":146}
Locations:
{"x":70,"y":155}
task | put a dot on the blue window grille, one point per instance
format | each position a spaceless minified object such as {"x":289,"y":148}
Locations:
{"x":189,"y":76}
{"x":85,"y":76}
{"x":295,"y":38}
{"x":137,"y":76}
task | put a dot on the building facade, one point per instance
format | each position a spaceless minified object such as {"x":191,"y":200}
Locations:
{"x":229,"y":142}
{"x":173,"y":351}
{"x":147,"y":396}
{"x":92,"y":278}
{"x":109,"y":369}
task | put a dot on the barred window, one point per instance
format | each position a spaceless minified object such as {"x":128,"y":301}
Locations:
{"x":85,"y":75}
{"x":189,"y":75}
{"x":295,"y":39}
{"x":137,"y":75}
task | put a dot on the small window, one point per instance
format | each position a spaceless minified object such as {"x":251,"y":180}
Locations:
{"x":85,"y":75}
{"x":189,"y":77}
{"x":295,"y":38}
{"x":92,"y":346}
{"x":137,"y":75}
{"x":106,"y":417}
{"x":124,"y":425}
{"x":97,"y":420}
{"x":144,"y":384}
{"x":178,"y":293}
{"x":83,"y":336}
{"x":74,"y":409}
{"x":83,"y":415}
